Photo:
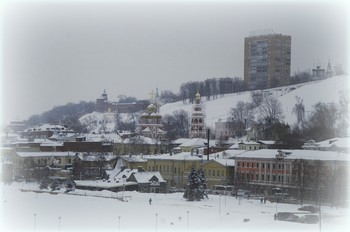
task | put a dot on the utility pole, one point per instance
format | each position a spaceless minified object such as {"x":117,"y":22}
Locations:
{"x":208,"y":132}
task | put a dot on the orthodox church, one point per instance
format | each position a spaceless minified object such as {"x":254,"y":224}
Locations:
{"x":197,"y":128}
{"x":150,"y":124}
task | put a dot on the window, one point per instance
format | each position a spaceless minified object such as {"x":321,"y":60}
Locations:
{"x":213,"y":172}
{"x":247,"y":165}
{"x":268,"y":177}
{"x":238,"y":164}
{"x":257,"y":165}
{"x":209,"y":172}
{"x":252,"y":165}
{"x":268,"y":166}
{"x":263,"y":165}
{"x":175,"y":170}
{"x":273,"y":166}
{"x":242,"y":165}
{"x":257,"y":177}
{"x":262,"y":177}
{"x":218,"y":173}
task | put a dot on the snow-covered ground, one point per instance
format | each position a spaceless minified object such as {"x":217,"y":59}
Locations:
{"x":327,"y":90}
{"x":29,"y":211}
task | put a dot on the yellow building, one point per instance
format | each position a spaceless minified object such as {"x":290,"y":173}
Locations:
{"x":219,"y":172}
{"x":174,"y":168}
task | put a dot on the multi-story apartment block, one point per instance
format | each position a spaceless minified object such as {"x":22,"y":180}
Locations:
{"x":267,"y":60}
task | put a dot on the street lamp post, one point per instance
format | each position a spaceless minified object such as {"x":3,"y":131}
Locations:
{"x":156,"y":222}
{"x":34,"y":222}
{"x":188,"y":219}
{"x":59,"y":224}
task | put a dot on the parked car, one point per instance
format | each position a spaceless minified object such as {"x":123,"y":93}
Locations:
{"x":172,"y":190}
{"x":242,"y":193}
{"x":310,"y":208}
{"x":309,"y":219}
{"x":286,"y":216}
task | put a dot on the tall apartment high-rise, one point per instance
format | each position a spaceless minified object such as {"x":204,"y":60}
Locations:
{"x":267,"y":60}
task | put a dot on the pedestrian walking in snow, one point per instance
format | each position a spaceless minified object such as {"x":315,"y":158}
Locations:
{"x":261,"y":200}
{"x":150,"y":201}
{"x":264,"y":200}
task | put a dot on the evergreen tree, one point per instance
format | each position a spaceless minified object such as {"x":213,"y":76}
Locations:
{"x":202,"y":190}
{"x":196,"y":186}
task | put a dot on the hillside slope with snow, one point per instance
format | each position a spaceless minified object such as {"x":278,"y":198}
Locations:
{"x":328,"y":90}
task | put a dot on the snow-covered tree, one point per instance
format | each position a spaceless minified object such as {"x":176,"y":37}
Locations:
{"x":196,"y":186}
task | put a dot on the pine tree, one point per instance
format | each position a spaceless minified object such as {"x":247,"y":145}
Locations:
{"x":202,"y":190}
{"x":196,"y":186}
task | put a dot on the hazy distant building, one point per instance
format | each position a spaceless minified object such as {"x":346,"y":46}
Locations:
{"x":104,"y":105}
{"x":150,"y":124}
{"x":197,"y":127}
{"x":267,"y":60}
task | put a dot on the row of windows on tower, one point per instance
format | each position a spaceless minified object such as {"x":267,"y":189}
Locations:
{"x":262,"y":177}
{"x":263,"y":165}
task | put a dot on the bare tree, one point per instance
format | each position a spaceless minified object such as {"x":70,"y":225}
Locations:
{"x":299,"y":175}
{"x":270,"y":109}
{"x":241,"y":116}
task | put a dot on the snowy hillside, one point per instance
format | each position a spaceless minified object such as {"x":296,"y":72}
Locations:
{"x":103,"y":122}
{"x":328,"y":90}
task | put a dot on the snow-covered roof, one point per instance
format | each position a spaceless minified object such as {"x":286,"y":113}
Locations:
{"x":135,"y":158}
{"x":119,"y":175}
{"x":110,"y":137}
{"x":251,"y":142}
{"x":296,"y":154}
{"x":144,"y":177}
{"x":102,"y":184}
{"x":267,"y":142}
{"x":45,"y":154}
{"x":141,"y":140}
{"x":224,"y":162}
{"x":181,"y":141}
{"x":48,"y":127}
{"x":197,"y":142}
{"x":94,"y":156}
{"x":178,"y":156}
{"x":337,"y":142}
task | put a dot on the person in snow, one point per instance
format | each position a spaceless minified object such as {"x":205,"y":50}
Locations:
{"x":150,"y":201}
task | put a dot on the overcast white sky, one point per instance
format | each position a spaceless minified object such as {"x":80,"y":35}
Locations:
{"x":55,"y":53}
